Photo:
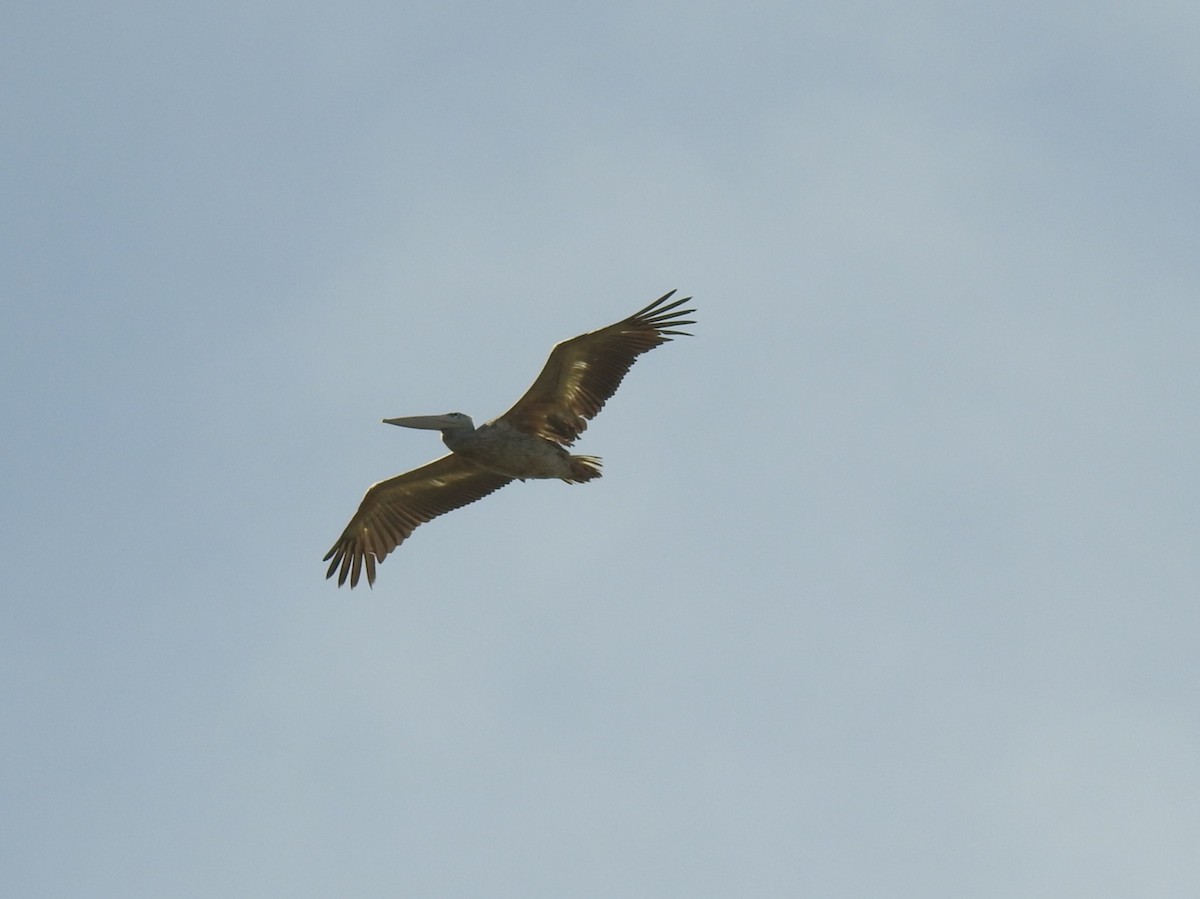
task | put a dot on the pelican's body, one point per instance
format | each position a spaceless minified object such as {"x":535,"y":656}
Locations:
{"x":527,"y":441}
{"x":499,"y":447}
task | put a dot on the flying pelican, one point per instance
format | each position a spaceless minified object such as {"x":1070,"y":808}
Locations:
{"x":527,"y":441}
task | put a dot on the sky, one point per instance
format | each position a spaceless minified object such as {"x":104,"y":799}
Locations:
{"x":889,"y":588}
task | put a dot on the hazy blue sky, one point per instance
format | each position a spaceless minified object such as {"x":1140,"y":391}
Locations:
{"x":890,"y":587}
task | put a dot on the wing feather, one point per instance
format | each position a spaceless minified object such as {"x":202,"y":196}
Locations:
{"x":393,"y":509}
{"x":584,"y":372}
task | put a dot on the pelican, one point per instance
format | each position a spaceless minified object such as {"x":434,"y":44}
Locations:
{"x":527,"y":441}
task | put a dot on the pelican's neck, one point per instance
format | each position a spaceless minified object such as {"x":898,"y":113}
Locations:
{"x":458,"y":436}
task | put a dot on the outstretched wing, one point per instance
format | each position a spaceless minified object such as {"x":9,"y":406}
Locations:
{"x":583,"y":372}
{"x":394,"y":508}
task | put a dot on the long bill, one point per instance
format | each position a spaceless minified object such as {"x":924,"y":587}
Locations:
{"x":426,"y":422}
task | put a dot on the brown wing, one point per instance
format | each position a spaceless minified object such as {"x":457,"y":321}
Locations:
{"x":392,"y":509}
{"x":583,"y":372}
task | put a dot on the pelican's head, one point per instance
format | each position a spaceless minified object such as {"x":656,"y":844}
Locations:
{"x":451,"y":421}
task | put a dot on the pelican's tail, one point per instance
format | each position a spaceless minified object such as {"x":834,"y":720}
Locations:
{"x":583,"y":468}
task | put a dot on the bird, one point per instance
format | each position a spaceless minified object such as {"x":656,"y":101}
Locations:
{"x":530,"y":440}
